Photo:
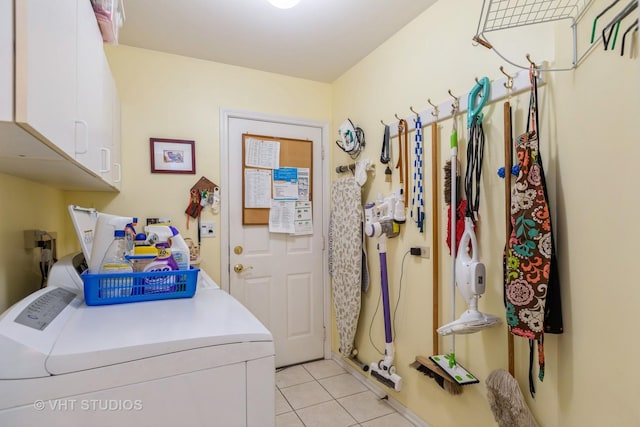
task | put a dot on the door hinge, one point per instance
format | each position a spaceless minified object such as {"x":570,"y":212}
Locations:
{"x":322,"y":153}
{"x":324,"y":333}
{"x":323,"y":248}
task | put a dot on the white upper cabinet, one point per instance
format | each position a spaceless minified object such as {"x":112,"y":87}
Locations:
{"x":59,"y":127}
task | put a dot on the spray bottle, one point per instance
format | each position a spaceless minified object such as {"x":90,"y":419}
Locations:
{"x":179,"y":249}
{"x":106,"y":225}
{"x":130,"y":236}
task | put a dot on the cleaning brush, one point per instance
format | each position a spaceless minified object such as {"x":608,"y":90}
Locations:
{"x":430,"y":369}
{"x":447,"y":183}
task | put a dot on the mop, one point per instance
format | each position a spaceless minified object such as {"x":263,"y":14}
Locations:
{"x":469,"y":271}
{"x":447,"y":362}
{"x":383,"y":219}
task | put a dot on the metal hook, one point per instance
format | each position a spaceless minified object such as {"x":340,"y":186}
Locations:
{"x":435,"y":111}
{"x":383,"y":123}
{"x":530,"y":61}
{"x":456,"y":102}
{"x":414,"y":111}
{"x":476,"y":79}
{"x":534,"y":67}
{"x":397,"y":116}
{"x":509,"y":83}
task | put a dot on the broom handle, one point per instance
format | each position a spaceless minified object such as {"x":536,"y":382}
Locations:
{"x":507,"y":207}
{"x":434,"y":232}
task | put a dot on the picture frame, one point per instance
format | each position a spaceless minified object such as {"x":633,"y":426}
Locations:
{"x":172,"y":156}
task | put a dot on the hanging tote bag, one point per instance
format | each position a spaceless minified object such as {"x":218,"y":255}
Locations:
{"x":531,"y":284}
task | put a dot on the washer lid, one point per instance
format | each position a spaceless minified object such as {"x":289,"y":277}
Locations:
{"x":84,"y":222}
{"x":111,"y":334}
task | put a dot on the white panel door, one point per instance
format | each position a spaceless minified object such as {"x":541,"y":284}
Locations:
{"x":282,"y":282}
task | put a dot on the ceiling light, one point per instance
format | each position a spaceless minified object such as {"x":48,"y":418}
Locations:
{"x":284,"y":4}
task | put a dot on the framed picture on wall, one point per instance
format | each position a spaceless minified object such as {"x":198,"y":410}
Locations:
{"x":172,"y":156}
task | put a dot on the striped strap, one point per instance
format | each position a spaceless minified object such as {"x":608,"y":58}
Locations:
{"x":417,"y":201}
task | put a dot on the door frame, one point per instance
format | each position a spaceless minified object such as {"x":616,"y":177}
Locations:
{"x":225,"y":116}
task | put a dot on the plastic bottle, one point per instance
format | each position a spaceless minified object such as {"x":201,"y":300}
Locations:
{"x":130,"y":235}
{"x":163,"y":262}
{"x":115,"y":262}
{"x":179,"y":249}
{"x":158,"y":233}
{"x":106,"y":224}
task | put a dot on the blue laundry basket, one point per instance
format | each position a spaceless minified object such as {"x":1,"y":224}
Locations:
{"x":105,"y":289}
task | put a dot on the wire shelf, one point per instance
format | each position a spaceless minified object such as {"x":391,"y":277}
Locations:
{"x":508,"y":14}
{"x":503,"y":14}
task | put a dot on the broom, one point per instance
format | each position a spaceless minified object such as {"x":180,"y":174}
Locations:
{"x":424,"y":364}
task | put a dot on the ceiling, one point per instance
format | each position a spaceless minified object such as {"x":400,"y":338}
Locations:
{"x":317,"y":40}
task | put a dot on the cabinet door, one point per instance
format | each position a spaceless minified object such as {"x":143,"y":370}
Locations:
{"x":45,"y":78}
{"x":93,"y":116}
{"x":6,"y":61}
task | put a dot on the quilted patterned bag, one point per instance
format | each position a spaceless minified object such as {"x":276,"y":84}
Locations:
{"x":531,"y":278}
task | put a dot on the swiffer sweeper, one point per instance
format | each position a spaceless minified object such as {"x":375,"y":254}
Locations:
{"x":383,"y":219}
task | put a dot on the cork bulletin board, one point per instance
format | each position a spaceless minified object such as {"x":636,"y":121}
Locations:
{"x":294,"y":153}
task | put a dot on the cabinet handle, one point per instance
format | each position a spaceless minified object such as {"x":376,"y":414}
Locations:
{"x":86,"y":137}
{"x":108,"y":159}
{"x":119,"y":172}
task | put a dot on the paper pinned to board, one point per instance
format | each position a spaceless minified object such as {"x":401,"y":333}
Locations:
{"x":281,"y":216}
{"x":303,"y":221}
{"x":290,"y":216}
{"x":261,"y":153}
{"x":257,"y":188}
{"x":285,"y":184}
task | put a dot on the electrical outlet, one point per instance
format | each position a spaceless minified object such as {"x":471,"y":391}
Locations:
{"x":35,"y":238}
{"x":207,"y":229}
{"x":424,"y":252}
{"x":421,"y":251}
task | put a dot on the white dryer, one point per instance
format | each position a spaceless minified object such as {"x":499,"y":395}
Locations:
{"x":201,"y":361}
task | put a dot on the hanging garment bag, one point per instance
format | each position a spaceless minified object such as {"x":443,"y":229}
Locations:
{"x":531,"y":283}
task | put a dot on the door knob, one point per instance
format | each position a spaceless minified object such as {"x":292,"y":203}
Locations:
{"x":239,"y":268}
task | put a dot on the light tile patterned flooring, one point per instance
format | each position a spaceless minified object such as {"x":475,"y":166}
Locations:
{"x":323,"y":394}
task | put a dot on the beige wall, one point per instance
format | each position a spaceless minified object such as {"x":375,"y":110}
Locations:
{"x":25,"y":206}
{"x":587,"y":119}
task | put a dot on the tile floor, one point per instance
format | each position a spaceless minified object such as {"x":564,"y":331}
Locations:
{"x":322,"y":393}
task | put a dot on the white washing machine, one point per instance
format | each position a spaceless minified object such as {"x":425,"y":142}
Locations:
{"x":201,"y":361}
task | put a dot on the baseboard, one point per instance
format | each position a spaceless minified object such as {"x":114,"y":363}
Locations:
{"x":375,"y":389}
